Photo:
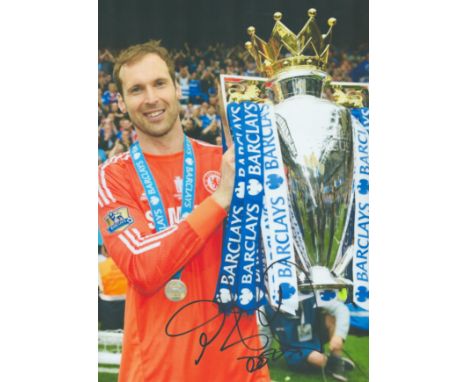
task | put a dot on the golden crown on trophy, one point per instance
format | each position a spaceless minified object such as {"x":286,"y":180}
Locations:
{"x":309,"y":48}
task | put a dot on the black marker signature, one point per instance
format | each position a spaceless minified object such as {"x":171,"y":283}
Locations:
{"x":253,"y":363}
{"x":204,"y":339}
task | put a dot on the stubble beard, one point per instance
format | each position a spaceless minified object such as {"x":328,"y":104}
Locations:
{"x":159,"y":131}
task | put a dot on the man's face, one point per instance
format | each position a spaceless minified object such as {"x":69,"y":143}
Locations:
{"x":125,"y":134}
{"x":184,"y":72}
{"x":107,"y":126}
{"x":150,"y":96}
{"x":125,"y":124}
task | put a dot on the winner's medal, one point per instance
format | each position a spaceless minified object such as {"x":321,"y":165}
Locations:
{"x":175,"y":290}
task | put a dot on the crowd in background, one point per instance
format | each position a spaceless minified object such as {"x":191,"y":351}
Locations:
{"x":197,"y":71}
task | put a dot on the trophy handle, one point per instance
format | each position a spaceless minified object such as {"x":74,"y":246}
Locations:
{"x":222,"y":113}
{"x":348,"y":94}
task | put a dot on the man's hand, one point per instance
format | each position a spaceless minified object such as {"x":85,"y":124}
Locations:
{"x":223,"y":194}
{"x":336,"y":344}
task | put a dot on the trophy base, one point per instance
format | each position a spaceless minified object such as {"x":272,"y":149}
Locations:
{"x":304,"y":288}
{"x":321,"y":278}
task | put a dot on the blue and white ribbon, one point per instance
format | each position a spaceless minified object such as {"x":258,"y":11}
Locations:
{"x":152,"y":191}
{"x":240,"y":281}
{"x":232,"y":241}
{"x":276,"y":225}
{"x":248,"y":271}
{"x":361,"y":219}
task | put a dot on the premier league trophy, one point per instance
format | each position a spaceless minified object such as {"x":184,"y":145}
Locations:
{"x":316,"y":146}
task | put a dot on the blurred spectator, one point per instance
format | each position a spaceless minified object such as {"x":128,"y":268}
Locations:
{"x":106,"y":61}
{"x":251,"y":69}
{"x":196,"y":117}
{"x":195,"y":92}
{"x":103,"y":80}
{"x":110,"y":95}
{"x":184,"y":79}
{"x":302,"y":337}
{"x":122,"y":142}
{"x":361,"y":72}
{"x":111,"y":118}
{"x":188,"y":110}
{"x":124,"y":123}
{"x":102,"y":156}
{"x":107,"y":135}
{"x":118,"y":115}
{"x":213,"y":100}
{"x":101,"y":110}
{"x":192,"y":129}
{"x":126,"y":139}
{"x":207,"y":84}
{"x":210,"y":123}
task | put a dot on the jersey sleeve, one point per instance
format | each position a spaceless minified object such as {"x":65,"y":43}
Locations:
{"x":149,"y":259}
{"x":342,"y":316}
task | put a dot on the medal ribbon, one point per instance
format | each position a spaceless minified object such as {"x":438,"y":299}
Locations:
{"x":361,"y":215}
{"x":151,"y":189}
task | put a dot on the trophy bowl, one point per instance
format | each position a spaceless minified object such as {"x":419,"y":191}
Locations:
{"x":317,"y":148}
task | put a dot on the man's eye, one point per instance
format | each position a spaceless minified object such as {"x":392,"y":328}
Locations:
{"x":160,"y":83}
{"x":135,"y":90}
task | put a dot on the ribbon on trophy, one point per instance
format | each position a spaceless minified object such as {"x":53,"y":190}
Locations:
{"x":232,"y":240}
{"x":361,"y":216}
{"x":259,"y":209}
{"x":248,"y":273}
{"x":240,"y":278}
{"x":274,"y":268}
{"x":276,"y":223}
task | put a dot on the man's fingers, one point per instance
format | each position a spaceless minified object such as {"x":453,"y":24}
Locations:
{"x":230,"y":154}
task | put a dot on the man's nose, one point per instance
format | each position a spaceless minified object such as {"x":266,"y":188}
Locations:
{"x":152,"y":96}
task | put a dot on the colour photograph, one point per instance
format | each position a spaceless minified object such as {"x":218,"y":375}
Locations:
{"x":233,"y":191}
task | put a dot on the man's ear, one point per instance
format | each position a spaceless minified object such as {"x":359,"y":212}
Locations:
{"x":178,"y":91}
{"x":121,"y":103}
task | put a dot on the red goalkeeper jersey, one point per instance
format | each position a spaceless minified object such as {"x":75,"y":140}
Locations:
{"x":163,"y":340}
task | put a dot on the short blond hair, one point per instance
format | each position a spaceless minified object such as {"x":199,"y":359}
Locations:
{"x":136,"y":52}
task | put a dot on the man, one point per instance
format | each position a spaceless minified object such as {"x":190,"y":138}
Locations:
{"x":184,"y":77}
{"x":110,"y":95}
{"x":168,"y":337}
{"x":302,"y":337}
{"x":210,"y":124}
{"x":191,"y":129}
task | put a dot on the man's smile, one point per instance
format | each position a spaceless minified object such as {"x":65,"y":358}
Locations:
{"x":154,"y":115}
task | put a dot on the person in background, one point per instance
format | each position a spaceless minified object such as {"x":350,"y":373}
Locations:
{"x":118,"y":115}
{"x":110,"y":95}
{"x":107,"y":135}
{"x":191,"y":129}
{"x":106,"y":61}
{"x":195,"y":92}
{"x":184,"y":78}
{"x":211,"y":123}
{"x":302,"y":337}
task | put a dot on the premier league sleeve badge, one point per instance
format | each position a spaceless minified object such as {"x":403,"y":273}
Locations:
{"x":118,"y":219}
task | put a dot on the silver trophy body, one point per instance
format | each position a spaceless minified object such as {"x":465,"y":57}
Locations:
{"x":317,"y":148}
